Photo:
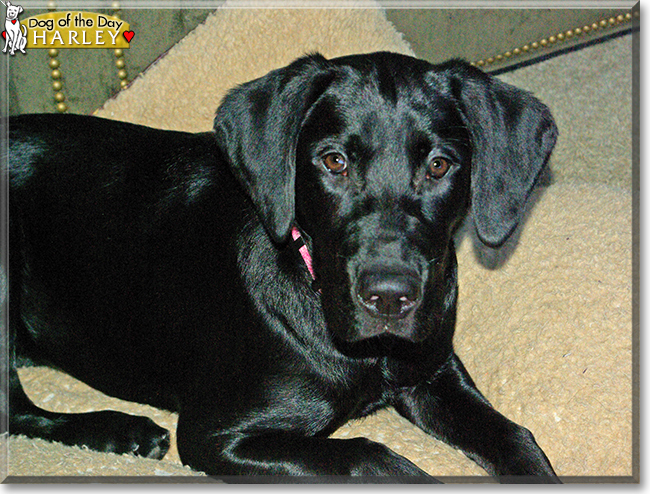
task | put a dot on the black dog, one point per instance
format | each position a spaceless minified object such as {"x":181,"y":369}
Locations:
{"x":158,"y":266}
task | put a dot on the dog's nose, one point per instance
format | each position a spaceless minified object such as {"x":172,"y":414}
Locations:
{"x":389,"y":293}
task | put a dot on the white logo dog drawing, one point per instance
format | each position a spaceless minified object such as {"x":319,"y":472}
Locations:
{"x":15,"y":33}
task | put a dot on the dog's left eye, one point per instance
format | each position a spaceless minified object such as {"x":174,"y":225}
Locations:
{"x":336,"y":163}
{"x":438,"y":168}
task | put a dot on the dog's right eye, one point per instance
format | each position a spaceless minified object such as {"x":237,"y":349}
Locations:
{"x":335,"y":163}
{"x":438,"y":168}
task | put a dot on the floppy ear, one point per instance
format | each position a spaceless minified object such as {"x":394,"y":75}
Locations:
{"x":257,"y":125}
{"x":512,"y":135}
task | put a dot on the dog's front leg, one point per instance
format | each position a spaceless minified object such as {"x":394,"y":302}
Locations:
{"x":265,"y":452}
{"x":450,"y":407}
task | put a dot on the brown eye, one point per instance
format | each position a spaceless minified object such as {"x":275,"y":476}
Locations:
{"x":438,"y":168}
{"x":336,"y":163}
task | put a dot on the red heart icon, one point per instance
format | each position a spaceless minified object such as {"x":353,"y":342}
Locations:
{"x":13,"y":21}
{"x":4,"y":34}
{"x":128,"y":35}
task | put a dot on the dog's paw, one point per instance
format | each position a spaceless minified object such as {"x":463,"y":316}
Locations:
{"x":138,"y":435}
{"x":378,"y":462}
{"x":120,"y":433}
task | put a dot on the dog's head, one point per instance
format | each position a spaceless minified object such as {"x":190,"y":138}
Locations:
{"x":13,"y":11}
{"x":378,"y":158}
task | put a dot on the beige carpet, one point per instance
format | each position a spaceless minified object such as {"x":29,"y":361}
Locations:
{"x":545,"y":329}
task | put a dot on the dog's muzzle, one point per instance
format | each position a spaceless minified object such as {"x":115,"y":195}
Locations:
{"x":386,"y":292}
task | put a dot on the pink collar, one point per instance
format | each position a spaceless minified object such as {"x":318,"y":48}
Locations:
{"x":304,"y":251}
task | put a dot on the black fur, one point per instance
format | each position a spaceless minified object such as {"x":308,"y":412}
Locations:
{"x":156,"y":266}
